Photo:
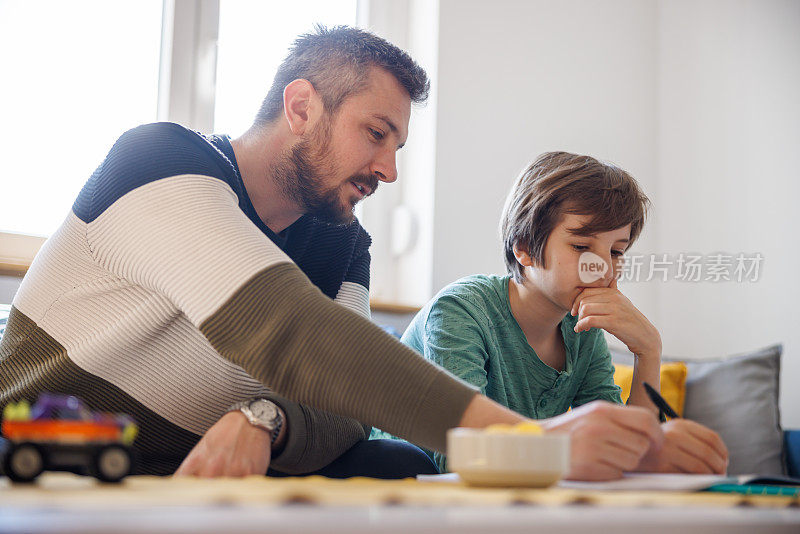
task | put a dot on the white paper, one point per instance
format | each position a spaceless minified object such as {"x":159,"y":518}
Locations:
{"x":652,"y":482}
{"x":446,"y":477}
{"x":628,"y":482}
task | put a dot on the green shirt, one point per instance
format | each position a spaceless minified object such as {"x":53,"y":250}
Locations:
{"x":469,"y":330}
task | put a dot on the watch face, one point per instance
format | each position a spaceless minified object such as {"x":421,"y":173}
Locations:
{"x":264,"y":411}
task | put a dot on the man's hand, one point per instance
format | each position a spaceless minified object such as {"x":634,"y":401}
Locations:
{"x":689,"y":447}
{"x":232,"y":448}
{"x":606,"y":439}
{"x":609,"y":309}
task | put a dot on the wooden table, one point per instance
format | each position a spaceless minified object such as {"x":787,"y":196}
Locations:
{"x":66,"y":503}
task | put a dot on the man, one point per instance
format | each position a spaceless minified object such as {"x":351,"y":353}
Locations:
{"x":200,"y":283}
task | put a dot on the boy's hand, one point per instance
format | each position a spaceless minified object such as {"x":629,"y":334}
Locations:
{"x":606,"y":439}
{"x":689,"y":447}
{"x":609,"y":309}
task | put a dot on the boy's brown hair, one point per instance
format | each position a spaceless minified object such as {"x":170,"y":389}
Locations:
{"x":558,"y":183}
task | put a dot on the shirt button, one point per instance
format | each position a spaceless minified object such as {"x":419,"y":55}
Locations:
{"x":543,"y":403}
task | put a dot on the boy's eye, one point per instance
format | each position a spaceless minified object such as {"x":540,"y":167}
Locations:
{"x":615,"y":253}
{"x":377,"y":134}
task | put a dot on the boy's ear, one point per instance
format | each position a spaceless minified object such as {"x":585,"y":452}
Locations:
{"x":523,"y":257}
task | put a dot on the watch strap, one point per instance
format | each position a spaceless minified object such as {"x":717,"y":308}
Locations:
{"x":276,"y":431}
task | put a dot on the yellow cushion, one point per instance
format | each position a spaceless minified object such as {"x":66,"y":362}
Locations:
{"x":673,"y":383}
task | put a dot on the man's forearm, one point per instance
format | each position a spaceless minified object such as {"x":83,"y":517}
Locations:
{"x":327,"y":435}
{"x":312,"y":350}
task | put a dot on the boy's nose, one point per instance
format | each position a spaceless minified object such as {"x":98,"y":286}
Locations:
{"x":608,"y":275}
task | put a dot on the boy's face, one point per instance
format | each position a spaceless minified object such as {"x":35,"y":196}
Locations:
{"x":566,"y":256}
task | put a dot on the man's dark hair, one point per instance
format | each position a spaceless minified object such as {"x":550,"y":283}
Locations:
{"x":336,"y":61}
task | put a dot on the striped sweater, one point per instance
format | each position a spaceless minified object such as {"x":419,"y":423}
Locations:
{"x":163,"y":295}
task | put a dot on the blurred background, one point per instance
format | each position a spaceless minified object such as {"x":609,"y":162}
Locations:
{"x":698,"y":99}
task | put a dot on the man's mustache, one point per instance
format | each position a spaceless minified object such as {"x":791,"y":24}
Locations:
{"x":369,"y":181}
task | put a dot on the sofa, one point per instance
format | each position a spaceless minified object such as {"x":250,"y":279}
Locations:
{"x":738,"y":397}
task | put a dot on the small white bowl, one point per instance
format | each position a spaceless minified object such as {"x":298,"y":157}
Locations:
{"x":506,"y":459}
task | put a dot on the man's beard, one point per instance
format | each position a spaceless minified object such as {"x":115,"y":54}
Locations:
{"x":301,"y":177}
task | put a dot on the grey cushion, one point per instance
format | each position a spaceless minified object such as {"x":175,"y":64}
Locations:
{"x":738,"y":398}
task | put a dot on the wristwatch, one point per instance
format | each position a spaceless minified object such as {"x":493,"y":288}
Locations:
{"x":262,"y":413}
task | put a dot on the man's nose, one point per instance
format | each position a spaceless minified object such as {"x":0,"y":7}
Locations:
{"x":385,"y":166}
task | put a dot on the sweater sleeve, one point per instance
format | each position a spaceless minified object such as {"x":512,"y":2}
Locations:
{"x":183,"y":236}
{"x":315,"y":437}
{"x":354,"y":292}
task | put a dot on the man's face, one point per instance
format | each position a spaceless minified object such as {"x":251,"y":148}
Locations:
{"x":566,"y":255}
{"x":342,"y":160}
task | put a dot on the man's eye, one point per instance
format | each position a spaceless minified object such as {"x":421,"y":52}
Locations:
{"x":617,"y":253}
{"x":377,"y":134}
{"x":580,"y":247}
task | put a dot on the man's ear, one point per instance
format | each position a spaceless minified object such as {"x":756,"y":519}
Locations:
{"x":299,"y":105}
{"x":523,"y":257}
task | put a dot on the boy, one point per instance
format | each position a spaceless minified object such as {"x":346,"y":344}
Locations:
{"x":532,"y":340}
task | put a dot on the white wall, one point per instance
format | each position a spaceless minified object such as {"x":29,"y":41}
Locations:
{"x":518,"y":78}
{"x":699,"y":99}
{"x":729,"y":175}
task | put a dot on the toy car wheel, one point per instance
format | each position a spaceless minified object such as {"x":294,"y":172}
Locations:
{"x":23,"y":462}
{"x":112,"y":463}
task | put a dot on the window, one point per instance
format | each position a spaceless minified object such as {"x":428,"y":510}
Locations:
{"x":254,"y":37}
{"x":76,"y":75}
{"x":89,"y":70}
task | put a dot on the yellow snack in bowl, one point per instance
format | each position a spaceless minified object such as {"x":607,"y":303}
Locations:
{"x":498,"y":428}
{"x":526,"y":427}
